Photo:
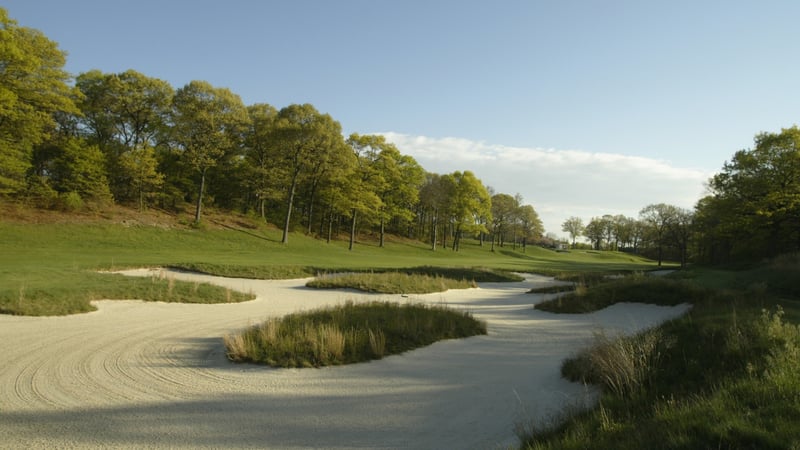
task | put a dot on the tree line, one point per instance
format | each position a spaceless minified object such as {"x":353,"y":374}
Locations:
{"x":130,"y":139}
{"x":751,"y":212}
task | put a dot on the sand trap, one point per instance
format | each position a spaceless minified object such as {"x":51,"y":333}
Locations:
{"x":135,"y":374}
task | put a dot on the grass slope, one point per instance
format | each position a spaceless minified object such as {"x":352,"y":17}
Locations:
{"x":48,"y":266}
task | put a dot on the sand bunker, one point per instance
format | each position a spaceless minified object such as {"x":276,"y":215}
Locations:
{"x":136,"y":374}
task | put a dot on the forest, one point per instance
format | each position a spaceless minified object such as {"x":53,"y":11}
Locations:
{"x":80,"y":142}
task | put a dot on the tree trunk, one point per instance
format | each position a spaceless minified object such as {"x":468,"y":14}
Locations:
{"x":330,"y":224}
{"x":289,"y":204}
{"x":383,"y":232}
{"x":352,"y":230}
{"x":311,"y":204}
{"x":434,"y":229}
{"x":199,"y":206}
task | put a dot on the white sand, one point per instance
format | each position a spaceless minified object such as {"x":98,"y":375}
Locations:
{"x":145,"y":375}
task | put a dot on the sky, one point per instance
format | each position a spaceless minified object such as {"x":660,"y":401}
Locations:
{"x":584,"y":108}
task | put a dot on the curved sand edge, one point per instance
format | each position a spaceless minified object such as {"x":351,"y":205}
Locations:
{"x":136,"y":374}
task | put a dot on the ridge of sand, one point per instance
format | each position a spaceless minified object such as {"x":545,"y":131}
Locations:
{"x":146,"y":374}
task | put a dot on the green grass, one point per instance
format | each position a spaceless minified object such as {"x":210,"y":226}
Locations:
{"x":633,"y":289}
{"x":348,"y":334}
{"x":726,"y":375}
{"x":422,"y":280}
{"x":51,"y":268}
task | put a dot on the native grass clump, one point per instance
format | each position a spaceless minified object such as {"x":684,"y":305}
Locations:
{"x":420,"y":280}
{"x":348,"y":333}
{"x":725,"y":375}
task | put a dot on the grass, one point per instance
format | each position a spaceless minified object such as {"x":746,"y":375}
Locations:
{"x":634,"y":289}
{"x":412,"y":281}
{"x":349,"y":333}
{"x":726,"y":375}
{"x":49,"y":263}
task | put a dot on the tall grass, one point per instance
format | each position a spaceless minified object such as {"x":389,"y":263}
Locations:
{"x":348,"y":333}
{"x":621,"y":364}
{"x":726,"y":375}
{"x":389,"y":283}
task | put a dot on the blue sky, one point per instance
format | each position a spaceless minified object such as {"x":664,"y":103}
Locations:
{"x":583,"y":107}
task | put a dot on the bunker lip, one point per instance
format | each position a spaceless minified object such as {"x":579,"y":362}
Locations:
{"x":145,"y":374}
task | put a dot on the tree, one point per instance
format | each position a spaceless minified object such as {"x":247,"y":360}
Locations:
{"x":595,"y":231}
{"x":123,"y":113}
{"x":573,"y":226}
{"x":141,"y":166}
{"x":33,"y":89}
{"x":207,"y":123}
{"x":435,"y":196}
{"x":404,"y":178}
{"x":71,"y":165}
{"x":469,"y":204}
{"x":754,"y":209}
{"x":302,"y":137}
{"x":260,"y":155}
{"x":367,"y":180}
{"x":530,"y":223}
{"x":680,"y":232}
{"x":504,"y":210}
{"x":658,"y":218}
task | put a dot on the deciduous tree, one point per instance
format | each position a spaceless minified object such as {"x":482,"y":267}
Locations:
{"x":573,"y":226}
{"x":33,"y":88}
{"x":207,"y":123}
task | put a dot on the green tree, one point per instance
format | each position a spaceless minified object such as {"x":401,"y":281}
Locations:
{"x":595,"y":231}
{"x":367,"y":181}
{"x":530,"y":224}
{"x":402,"y":179}
{"x":469,"y":205}
{"x":302,"y":136}
{"x":33,"y":89}
{"x":260,"y":154}
{"x":70,"y":165}
{"x":504,"y":210}
{"x":124,"y":112}
{"x":756,"y":199}
{"x":435,"y":196}
{"x":141,"y":166}
{"x":658,"y":219}
{"x":207,"y":123}
{"x":573,"y":226}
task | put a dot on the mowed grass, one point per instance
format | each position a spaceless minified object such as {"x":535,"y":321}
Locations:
{"x":349,"y":333}
{"x":726,"y":375}
{"x":52,"y":268}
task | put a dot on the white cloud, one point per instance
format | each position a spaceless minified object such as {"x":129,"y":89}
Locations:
{"x":561,"y":183}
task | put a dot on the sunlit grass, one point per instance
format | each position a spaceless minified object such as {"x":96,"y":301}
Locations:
{"x":349,"y":333}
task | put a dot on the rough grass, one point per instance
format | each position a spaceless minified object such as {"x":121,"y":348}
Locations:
{"x":389,"y":283}
{"x":635,"y":289}
{"x":76,"y":295}
{"x":726,"y":375}
{"x":349,"y":333}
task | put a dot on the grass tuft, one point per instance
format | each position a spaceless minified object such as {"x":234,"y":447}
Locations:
{"x":348,"y":333}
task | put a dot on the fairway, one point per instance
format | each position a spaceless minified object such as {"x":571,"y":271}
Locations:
{"x":51,"y":268}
